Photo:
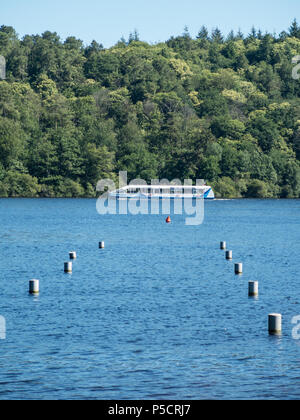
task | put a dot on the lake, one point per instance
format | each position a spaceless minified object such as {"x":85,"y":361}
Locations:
{"x":157,"y":314}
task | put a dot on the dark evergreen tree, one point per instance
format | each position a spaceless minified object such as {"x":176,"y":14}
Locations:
{"x":294,"y":29}
{"x":217,"y":36}
{"x":203,"y":34}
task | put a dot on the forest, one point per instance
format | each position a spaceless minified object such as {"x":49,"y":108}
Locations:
{"x":224,"y":108}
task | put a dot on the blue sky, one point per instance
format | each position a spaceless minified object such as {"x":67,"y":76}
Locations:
{"x":156,"y":20}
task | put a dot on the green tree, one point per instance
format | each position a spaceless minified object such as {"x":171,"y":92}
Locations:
{"x":11,"y":142}
{"x":98,"y":163}
{"x":257,"y":189}
{"x":295,"y":29}
{"x":265,"y":131}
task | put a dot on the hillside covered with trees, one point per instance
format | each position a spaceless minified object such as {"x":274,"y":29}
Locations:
{"x":224,"y":109}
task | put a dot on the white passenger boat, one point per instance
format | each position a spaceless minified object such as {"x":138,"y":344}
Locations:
{"x":164,"y":192}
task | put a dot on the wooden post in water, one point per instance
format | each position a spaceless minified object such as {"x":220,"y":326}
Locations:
{"x":72,"y":255}
{"x":101,"y":245}
{"x":223,"y":245}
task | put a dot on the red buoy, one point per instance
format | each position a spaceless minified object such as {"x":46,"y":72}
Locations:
{"x":168,"y":220}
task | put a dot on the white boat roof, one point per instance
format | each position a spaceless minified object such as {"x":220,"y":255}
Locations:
{"x":164,"y":186}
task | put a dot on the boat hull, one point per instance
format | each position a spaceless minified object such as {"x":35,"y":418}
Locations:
{"x":123,"y":194}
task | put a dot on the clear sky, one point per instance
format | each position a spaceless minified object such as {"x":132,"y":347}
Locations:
{"x":156,"y":20}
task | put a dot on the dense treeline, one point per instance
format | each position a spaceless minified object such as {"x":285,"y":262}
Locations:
{"x":223,"y":109}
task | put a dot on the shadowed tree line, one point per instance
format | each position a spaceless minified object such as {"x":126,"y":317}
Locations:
{"x":225,"y":109}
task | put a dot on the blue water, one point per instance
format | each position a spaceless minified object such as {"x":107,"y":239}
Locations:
{"x":158,"y":314}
